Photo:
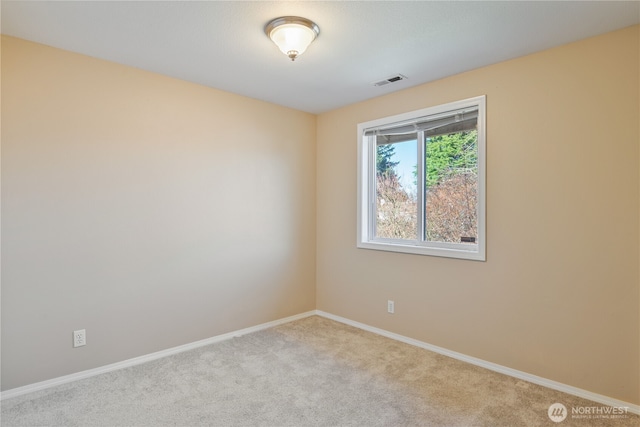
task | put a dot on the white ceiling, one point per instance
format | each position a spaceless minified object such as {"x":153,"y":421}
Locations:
{"x":222,"y":44}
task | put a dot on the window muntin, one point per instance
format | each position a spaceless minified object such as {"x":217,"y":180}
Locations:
{"x":434,"y":206}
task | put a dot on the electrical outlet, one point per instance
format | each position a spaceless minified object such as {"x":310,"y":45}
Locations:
{"x":391,"y":307}
{"x":79,"y":338}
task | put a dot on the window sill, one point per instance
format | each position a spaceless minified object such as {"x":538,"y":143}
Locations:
{"x":474,"y":253}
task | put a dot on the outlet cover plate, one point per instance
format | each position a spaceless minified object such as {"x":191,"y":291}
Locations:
{"x":79,"y":338}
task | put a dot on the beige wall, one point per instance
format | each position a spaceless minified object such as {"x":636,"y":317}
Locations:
{"x":558,"y":296}
{"x":150,"y":211}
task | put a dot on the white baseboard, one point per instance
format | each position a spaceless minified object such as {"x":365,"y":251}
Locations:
{"x":19,"y":391}
{"x":599,"y":398}
{"x":605,"y":400}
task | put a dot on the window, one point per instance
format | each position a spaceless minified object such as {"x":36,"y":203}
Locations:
{"x":421,"y":181}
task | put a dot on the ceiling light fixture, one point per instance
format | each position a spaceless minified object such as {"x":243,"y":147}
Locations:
{"x":292,"y":34}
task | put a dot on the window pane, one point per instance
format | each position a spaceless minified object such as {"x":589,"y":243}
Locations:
{"x":451,"y":190}
{"x":396,"y":201}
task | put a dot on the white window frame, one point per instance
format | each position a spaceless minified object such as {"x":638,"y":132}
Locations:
{"x":366,"y":188}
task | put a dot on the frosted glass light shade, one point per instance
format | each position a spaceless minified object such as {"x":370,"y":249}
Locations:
{"x":292,"y":34}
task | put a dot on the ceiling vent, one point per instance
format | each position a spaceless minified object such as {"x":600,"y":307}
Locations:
{"x":391,"y":79}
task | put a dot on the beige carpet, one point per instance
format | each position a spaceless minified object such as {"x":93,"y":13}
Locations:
{"x":311,"y":372}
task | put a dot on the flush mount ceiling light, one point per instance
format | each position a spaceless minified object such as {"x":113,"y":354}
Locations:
{"x":292,"y":34}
